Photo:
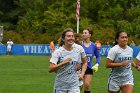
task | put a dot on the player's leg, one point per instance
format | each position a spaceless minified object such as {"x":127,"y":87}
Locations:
{"x":128,"y":87}
{"x":7,"y":52}
{"x":88,"y":80}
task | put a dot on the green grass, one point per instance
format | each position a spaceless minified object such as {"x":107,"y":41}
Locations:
{"x":29,"y":74}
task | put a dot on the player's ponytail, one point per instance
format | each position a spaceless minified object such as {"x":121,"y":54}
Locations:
{"x":60,"y":42}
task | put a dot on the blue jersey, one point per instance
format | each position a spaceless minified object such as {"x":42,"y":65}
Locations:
{"x":91,"y":51}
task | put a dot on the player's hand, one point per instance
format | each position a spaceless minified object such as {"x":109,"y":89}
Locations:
{"x":95,"y":67}
{"x":138,"y":67}
{"x":68,"y":59}
{"x":81,"y":76}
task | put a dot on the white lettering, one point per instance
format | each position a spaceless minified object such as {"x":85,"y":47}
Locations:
{"x":33,"y":49}
{"x":103,"y":51}
{"x":26,"y":49}
{"x":40,"y":49}
{"x":46,"y":49}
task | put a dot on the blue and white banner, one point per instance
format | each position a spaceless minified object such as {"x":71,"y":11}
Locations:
{"x":44,"y":49}
{"x":27,"y":49}
{"x":104,"y":50}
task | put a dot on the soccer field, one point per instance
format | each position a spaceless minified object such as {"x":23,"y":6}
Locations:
{"x":29,"y":74}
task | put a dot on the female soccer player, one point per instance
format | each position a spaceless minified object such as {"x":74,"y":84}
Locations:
{"x":120,"y":58}
{"x":63,"y":62}
{"x":91,"y":51}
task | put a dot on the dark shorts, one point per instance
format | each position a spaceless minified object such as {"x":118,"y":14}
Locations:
{"x":89,"y":71}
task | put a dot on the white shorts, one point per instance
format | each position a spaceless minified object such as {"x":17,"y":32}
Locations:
{"x":115,"y":85}
{"x":67,"y":91}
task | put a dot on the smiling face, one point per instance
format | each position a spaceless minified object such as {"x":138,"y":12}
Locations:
{"x":69,"y":38}
{"x":122,"y":39}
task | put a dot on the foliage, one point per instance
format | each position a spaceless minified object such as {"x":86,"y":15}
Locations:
{"x":44,"y":20}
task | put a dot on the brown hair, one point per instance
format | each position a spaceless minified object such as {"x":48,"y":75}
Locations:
{"x":89,"y":30}
{"x":61,"y":39}
{"x":118,"y":35}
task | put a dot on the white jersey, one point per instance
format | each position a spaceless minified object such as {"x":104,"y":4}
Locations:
{"x":138,"y":56}
{"x":9,"y":44}
{"x":67,"y":77}
{"x":81,"y":50}
{"x":117,"y":55}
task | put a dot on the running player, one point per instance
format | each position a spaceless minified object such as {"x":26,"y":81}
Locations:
{"x":120,"y":59}
{"x":63,"y":62}
{"x":91,"y":51}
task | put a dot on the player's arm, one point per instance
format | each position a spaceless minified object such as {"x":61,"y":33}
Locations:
{"x":54,"y":67}
{"x":111,"y":64}
{"x":84,"y":67}
{"x":134,"y":64}
{"x":138,"y":64}
{"x":84,"y":63}
{"x":97,"y":54}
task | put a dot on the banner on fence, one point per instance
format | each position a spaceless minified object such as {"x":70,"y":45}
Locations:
{"x":44,"y":49}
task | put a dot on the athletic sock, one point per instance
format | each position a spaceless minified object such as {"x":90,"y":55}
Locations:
{"x":86,"y":91}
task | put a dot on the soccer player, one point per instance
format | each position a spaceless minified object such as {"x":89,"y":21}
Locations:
{"x":91,"y":51}
{"x":63,"y":62}
{"x":120,"y":59}
{"x":9,"y":46}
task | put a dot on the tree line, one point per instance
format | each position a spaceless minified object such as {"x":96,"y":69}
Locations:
{"x":40,"y":21}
